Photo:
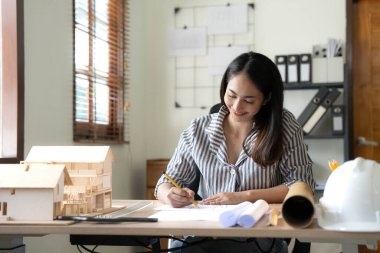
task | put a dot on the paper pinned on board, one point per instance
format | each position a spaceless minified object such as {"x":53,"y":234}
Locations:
{"x":221,"y":57}
{"x":228,"y":19}
{"x":191,"y":41}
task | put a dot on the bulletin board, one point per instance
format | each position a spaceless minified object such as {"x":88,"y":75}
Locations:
{"x":198,"y":69}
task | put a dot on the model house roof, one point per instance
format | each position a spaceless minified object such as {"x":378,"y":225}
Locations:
{"x":32,"y":176}
{"x":68,"y":154}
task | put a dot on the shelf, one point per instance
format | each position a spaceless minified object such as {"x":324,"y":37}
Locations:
{"x":296,"y":86}
{"x":321,"y":136}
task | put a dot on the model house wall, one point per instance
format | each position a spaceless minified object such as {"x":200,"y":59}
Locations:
{"x":90,"y":169}
{"x":32,"y":192}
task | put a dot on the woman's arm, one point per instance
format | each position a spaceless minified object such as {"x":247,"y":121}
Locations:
{"x":271,"y":195}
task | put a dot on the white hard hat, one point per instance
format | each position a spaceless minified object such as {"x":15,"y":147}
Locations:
{"x":351,"y":199}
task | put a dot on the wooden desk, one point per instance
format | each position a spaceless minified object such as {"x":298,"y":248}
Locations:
{"x":314,"y":233}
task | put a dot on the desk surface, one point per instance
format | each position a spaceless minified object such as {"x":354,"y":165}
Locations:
{"x":198,"y":228}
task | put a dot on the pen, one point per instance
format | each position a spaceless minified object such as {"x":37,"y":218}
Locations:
{"x":176,"y":185}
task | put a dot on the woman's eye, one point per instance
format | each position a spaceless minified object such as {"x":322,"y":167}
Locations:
{"x":249,"y":102}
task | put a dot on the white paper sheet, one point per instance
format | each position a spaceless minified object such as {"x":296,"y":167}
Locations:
{"x":228,"y":19}
{"x":221,"y":57}
{"x":202,"y":212}
{"x":188,"y":42}
{"x":227,"y":215}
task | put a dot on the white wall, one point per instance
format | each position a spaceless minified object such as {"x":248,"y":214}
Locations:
{"x":281,"y":28}
{"x":48,"y":100}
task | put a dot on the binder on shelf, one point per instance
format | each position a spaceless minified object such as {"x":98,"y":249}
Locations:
{"x":293,"y":68}
{"x":321,"y":110}
{"x":312,"y":105}
{"x":337,"y":112}
{"x":281,"y":62}
{"x":305,"y":68}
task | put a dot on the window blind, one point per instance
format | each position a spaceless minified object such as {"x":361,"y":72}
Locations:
{"x":100,"y":71}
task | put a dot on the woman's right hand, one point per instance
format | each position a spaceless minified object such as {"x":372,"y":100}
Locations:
{"x":180,"y":198}
{"x":173,"y":196}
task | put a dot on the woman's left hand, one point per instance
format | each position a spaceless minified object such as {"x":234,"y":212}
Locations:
{"x":224,"y":198}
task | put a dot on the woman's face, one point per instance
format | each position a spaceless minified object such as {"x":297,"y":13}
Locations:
{"x":243,"y":98}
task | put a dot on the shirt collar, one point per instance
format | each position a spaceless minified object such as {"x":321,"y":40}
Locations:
{"x":217,"y":139}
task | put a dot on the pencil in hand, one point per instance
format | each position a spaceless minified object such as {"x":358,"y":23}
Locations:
{"x":176,"y":185}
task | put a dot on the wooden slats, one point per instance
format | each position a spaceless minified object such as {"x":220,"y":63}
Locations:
{"x":112,"y":21}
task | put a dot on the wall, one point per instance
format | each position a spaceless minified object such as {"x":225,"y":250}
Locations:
{"x":155,"y":123}
{"x":48,"y":100}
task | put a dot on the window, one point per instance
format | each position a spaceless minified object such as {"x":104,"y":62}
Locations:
{"x":11,"y":81}
{"x":99,"y":70}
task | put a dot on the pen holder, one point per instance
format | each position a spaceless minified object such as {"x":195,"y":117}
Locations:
{"x":319,"y":70}
{"x":298,"y":206}
{"x":335,"y":70}
{"x":327,"y":70}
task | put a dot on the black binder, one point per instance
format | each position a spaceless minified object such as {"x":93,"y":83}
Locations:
{"x":321,"y":110}
{"x":305,"y":68}
{"x":281,"y":62}
{"x":293,"y":68}
{"x":312,"y":106}
{"x":337,"y":112}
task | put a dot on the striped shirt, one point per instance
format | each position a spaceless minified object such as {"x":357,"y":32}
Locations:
{"x":203,"y":145}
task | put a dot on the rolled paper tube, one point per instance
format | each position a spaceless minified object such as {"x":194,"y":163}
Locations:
{"x":298,"y":205}
{"x":230,"y":217}
{"x":253,"y":213}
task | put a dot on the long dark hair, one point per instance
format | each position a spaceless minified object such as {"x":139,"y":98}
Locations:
{"x":264,"y":74}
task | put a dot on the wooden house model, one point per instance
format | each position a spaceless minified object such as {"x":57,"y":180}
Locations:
{"x":32,"y":192}
{"x":90,"y":169}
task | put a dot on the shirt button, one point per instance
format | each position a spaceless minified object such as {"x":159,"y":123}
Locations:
{"x":232,"y":172}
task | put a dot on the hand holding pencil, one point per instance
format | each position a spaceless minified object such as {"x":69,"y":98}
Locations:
{"x":176,"y":185}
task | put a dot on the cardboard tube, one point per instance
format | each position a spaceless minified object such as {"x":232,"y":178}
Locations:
{"x":298,"y":205}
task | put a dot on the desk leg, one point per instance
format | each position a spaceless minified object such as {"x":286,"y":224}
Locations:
{"x":11,"y":244}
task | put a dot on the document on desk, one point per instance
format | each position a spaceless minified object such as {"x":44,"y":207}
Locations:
{"x":191,"y":212}
{"x":245,"y":214}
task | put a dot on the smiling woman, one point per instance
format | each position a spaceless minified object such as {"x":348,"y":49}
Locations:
{"x":12,"y":82}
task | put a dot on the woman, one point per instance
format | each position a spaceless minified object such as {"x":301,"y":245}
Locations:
{"x":251,"y":149}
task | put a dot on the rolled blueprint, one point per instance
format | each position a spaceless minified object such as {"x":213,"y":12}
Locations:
{"x":298,"y":205}
{"x":230,"y":217}
{"x":253,"y":213}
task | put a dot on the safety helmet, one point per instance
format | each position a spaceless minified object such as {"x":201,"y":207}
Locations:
{"x":351,"y":199}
